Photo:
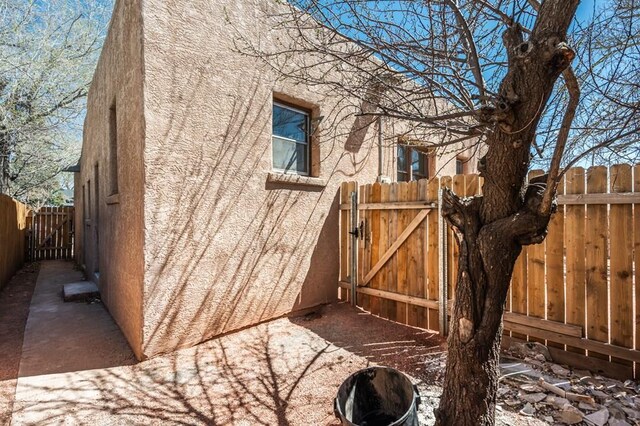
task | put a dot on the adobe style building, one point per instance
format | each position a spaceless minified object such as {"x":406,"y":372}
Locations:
{"x":208,"y":189}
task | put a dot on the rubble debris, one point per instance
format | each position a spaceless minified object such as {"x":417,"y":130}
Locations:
{"x":570,"y":415}
{"x":534,"y":386}
{"x":559,"y":370}
{"x":530,"y":350}
{"x":568,"y":395}
{"x":599,"y":418}
{"x":532,"y":397}
{"x":528,"y":410}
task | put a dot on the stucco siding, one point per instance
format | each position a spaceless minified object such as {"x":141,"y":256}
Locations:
{"x":225,"y":248}
{"x":109,"y":224}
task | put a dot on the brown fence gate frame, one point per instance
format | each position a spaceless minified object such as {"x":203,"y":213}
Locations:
{"x":50,"y":234}
{"x":578,"y":292}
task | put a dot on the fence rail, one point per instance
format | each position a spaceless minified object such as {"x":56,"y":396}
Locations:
{"x":577,"y":292}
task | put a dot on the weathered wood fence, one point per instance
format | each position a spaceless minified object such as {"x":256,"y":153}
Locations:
{"x":50,"y":234}
{"x":12,"y":237}
{"x":575,"y":292}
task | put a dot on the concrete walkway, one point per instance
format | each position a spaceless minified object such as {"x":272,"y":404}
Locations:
{"x":63,"y":337}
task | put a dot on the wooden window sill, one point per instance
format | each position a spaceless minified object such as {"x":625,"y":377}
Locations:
{"x":291,"y":179}
{"x":113,"y":199}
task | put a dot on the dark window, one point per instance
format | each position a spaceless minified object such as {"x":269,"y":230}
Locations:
{"x":113,"y":149}
{"x":462,"y":166}
{"x":403,"y":169}
{"x":290,"y":141}
{"x":412,"y":164}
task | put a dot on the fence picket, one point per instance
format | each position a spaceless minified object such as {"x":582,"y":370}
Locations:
{"x":621,"y":261}
{"x":374,"y":247}
{"x":596,"y":259}
{"x":554,"y":258}
{"x":433,"y":249}
{"x":392,"y":306}
{"x":383,"y":242}
{"x":403,"y":222}
{"x":575,"y":246}
{"x":536,"y":303}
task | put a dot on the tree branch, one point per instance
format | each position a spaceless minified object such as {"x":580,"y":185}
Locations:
{"x":554,"y":170}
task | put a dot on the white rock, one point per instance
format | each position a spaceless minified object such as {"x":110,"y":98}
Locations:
{"x":559,"y":402}
{"x":631,"y":413}
{"x":617,"y":422}
{"x":532,"y":397}
{"x":559,"y":371}
{"x":528,"y":410}
{"x":571,"y":415}
{"x":530,"y":387}
{"x":587,"y":407}
{"x":599,"y":418}
{"x":599,"y":394}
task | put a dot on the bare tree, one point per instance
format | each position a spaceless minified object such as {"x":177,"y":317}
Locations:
{"x":484,"y":71}
{"x":48,"y":51}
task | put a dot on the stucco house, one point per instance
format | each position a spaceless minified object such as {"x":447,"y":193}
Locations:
{"x":207,"y":190}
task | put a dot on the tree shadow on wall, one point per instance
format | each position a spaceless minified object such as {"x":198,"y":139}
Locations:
{"x":256,"y":267}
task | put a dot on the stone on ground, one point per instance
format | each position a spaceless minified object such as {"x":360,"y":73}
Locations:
{"x":79,"y":291}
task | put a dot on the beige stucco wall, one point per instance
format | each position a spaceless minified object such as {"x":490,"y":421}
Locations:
{"x":117,"y":219}
{"x":202,"y":238}
{"x":225,"y":248}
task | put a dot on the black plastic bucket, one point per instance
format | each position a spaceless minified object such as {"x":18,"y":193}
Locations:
{"x":377,"y":396}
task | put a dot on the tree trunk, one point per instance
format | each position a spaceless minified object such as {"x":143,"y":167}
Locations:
{"x":492,"y":229}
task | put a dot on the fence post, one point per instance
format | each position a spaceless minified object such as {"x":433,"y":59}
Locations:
{"x":354,"y":246}
{"x":443,"y":279}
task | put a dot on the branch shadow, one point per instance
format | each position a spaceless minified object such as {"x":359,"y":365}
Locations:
{"x":273,"y":374}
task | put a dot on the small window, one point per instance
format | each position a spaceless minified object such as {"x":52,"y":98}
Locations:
{"x":113,"y":149}
{"x":462,"y":166}
{"x":290,"y":143}
{"x":403,"y":169}
{"x":412,"y":164}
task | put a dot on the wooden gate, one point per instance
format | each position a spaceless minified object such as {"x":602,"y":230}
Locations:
{"x":50,"y":234}
{"x":578,"y":292}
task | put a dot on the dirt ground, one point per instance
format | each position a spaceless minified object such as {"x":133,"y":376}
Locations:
{"x":14,"y":310}
{"x":284,"y":372}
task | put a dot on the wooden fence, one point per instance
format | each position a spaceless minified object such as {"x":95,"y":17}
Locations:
{"x":50,"y":234}
{"x":576,"y":292}
{"x":12,"y":237}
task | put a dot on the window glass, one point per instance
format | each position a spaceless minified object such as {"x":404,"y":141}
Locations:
{"x":418,"y":165}
{"x":403,"y":172}
{"x":289,"y":123}
{"x":459,"y":167}
{"x":290,"y":142}
{"x":412,"y":164}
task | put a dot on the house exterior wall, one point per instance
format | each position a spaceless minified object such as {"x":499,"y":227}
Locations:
{"x":109,"y":227}
{"x":227,"y":244}
{"x":203,"y":238}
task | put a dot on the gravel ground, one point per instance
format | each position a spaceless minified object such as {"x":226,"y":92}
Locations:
{"x":284,"y":372}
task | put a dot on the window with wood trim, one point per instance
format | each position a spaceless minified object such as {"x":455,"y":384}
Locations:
{"x":412,"y":164}
{"x":291,"y":139}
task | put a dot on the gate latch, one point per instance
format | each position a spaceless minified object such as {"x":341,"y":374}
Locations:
{"x":358,"y":231}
